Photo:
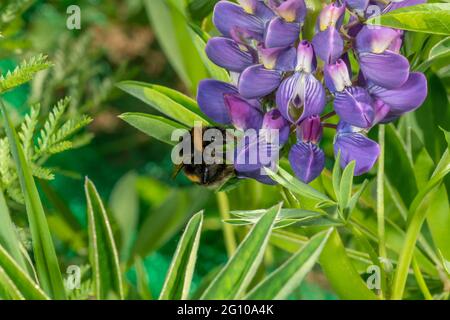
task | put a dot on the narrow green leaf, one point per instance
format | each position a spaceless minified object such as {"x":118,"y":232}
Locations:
{"x":157,"y":127}
{"x":283,"y":281}
{"x":172,"y":31}
{"x":14,"y":278}
{"x":428,"y":18}
{"x":293,"y":184}
{"x":439,"y":51}
{"x":354,"y":200}
{"x":236,"y":275}
{"x":346,"y":186}
{"x":398,"y":166}
{"x":103,"y":254}
{"x":8,"y":235}
{"x":162,"y":103}
{"x":179,"y":277}
{"x":340,"y":272}
{"x":438,"y":219}
{"x":124,"y":205}
{"x":336,"y":175}
{"x":47,"y":265}
{"x":142,"y":279}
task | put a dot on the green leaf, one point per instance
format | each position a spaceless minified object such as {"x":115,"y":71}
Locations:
{"x":161,"y":102}
{"x":293,"y":184}
{"x":440,"y":50}
{"x":17,"y":282}
{"x":172,"y":31}
{"x":8,"y":235}
{"x":428,"y":18}
{"x":124,"y":205}
{"x":434,"y":113}
{"x":236,"y":275}
{"x":283,"y":281}
{"x":179,"y":277}
{"x":44,"y":252}
{"x":438,"y":219}
{"x":336,"y":175}
{"x":103,"y":254}
{"x":346,"y":186}
{"x":199,"y":9}
{"x":157,"y":127}
{"x":398,"y":166}
{"x":340,"y":272}
{"x":354,"y":200}
{"x":142,"y":279}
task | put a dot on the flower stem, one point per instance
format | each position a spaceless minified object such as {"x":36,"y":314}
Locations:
{"x":330,"y":125}
{"x":328,"y":115}
{"x":224,"y":209}
{"x":420,"y":280}
{"x":380,"y":196}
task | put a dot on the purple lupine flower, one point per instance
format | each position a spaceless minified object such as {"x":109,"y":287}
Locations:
{"x":301,"y":95}
{"x":272,"y":69}
{"x":328,"y":43}
{"x":407,"y":98}
{"x":306,"y":158}
{"x":353,"y":145}
{"x":378,"y":59}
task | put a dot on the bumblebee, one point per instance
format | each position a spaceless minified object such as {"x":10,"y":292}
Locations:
{"x":209,"y":175}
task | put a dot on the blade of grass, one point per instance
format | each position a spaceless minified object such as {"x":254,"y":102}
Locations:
{"x":8,"y":235}
{"x":179,"y":277}
{"x":237,"y":274}
{"x":16,"y":280}
{"x":47,"y":265}
{"x":102,"y":248}
{"x":142,"y":279}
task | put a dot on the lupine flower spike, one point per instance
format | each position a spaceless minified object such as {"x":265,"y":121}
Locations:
{"x":284,"y":81}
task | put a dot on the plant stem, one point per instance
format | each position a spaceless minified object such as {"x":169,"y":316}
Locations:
{"x":407,"y":253}
{"x":224,"y":209}
{"x":380,"y":196}
{"x":420,"y":280}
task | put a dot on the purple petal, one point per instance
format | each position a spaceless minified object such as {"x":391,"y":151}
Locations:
{"x":337,"y":76}
{"x":282,"y":59}
{"x":257,"y":82}
{"x":273,"y":120}
{"x":254,"y":153}
{"x":389,"y":70}
{"x":280,"y":33}
{"x":331,"y":16}
{"x":407,"y":98}
{"x":258,"y":175}
{"x":306,"y":59}
{"x":243,"y":115}
{"x":359,"y":5}
{"x":310,"y":130}
{"x":228,"y":16}
{"x":300,"y":96}
{"x":355,"y":146}
{"x":227,"y":54}
{"x":328,"y":45}
{"x":354,"y":106}
{"x":307,"y":161}
{"x":211,"y":101}
{"x":292,"y":10}
{"x":381,"y":110}
{"x":376,"y":40}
